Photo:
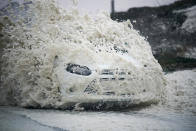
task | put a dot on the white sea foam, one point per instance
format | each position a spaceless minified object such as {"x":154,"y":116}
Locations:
{"x":190,"y":23}
{"x":181,"y":91}
{"x":42,"y":42}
